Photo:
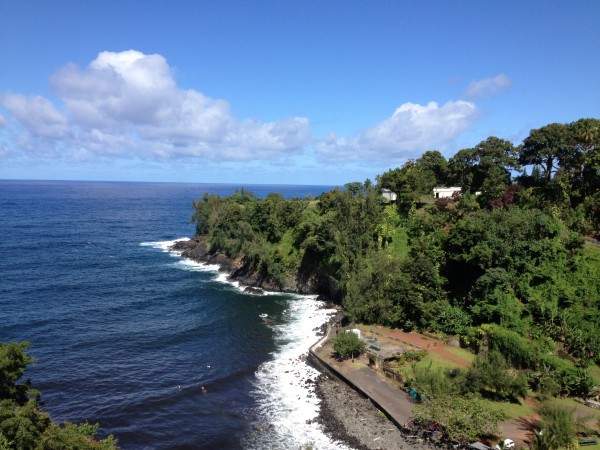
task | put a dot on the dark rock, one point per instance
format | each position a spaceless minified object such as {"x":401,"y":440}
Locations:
{"x":354,"y":420}
{"x":197,"y":250}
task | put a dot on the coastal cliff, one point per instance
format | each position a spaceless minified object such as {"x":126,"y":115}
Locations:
{"x":239,"y":270}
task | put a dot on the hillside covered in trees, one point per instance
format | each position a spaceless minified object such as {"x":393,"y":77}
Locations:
{"x":505,"y":264}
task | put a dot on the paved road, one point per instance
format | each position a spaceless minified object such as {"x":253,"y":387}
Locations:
{"x":395,"y":402}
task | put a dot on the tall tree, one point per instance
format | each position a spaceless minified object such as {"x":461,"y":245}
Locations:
{"x":585,"y":135}
{"x":487,"y":167}
{"x":416,"y":178}
{"x":464,"y":418}
{"x":493,"y":375}
{"x":547,"y":147}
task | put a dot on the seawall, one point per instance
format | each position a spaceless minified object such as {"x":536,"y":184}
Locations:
{"x":361,"y":384}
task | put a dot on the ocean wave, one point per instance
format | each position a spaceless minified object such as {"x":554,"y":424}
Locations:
{"x":193,"y":266}
{"x":165,"y":246}
{"x":182,"y":263}
{"x":287,"y":405}
{"x":283,"y":388}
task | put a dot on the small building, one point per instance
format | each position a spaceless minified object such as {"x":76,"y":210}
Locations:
{"x":446,"y":192}
{"x":389,"y":195}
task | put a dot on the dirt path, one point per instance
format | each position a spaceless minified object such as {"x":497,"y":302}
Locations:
{"x":369,"y":381}
{"x":422,"y":342}
{"x":517,"y":429}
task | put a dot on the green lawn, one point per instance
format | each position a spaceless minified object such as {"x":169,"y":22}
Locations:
{"x":512,"y":410}
{"x":461,"y":353}
{"x":433,"y":361}
{"x":442,"y":361}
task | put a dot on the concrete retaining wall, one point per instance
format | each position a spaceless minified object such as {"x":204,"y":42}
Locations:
{"x":322,"y":366}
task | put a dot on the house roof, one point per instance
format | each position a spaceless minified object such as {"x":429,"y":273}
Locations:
{"x":443,"y":188}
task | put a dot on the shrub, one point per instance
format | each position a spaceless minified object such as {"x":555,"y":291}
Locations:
{"x":411,"y":356}
{"x":347,"y":343}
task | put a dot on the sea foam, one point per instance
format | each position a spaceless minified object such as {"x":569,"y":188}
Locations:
{"x":286,"y":404}
{"x":165,"y":246}
{"x":284,"y":388}
{"x":182,"y":263}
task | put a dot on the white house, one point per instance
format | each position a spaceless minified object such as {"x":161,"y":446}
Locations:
{"x":446,"y":192}
{"x":389,"y":195}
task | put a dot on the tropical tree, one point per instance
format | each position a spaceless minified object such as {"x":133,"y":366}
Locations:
{"x":491,"y":374}
{"x":585,"y":134}
{"x":433,"y":382}
{"x":434,"y":161}
{"x":547,"y":147}
{"x":487,"y":167}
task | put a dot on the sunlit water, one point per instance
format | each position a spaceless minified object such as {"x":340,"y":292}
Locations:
{"x":161,"y":351}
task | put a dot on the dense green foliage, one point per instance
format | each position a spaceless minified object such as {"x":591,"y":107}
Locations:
{"x":453,"y":397}
{"x":504,"y":266}
{"x":491,"y":374}
{"x":23,"y":425}
{"x":557,"y":428}
{"x":465,"y":418}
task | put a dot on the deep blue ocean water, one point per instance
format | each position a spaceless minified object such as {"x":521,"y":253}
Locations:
{"x":126,"y":334}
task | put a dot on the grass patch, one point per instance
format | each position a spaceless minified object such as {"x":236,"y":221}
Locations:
{"x":569,"y":403}
{"x":595,"y":373}
{"x":399,"y":245}
{"x":442,"y":361}
{"x":407,"y":369}
{"x":462,"y":353}
{"x":511,"y":410}
{"x":287,"y":251}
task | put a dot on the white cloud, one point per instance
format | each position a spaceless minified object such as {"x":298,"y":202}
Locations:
{"x":128,"y":103}
{"x":487,"y":86}
{"x":410,"y":131}
{"x":37,"y":114}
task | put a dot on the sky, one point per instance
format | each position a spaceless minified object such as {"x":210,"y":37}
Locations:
{"x":281,"y":91}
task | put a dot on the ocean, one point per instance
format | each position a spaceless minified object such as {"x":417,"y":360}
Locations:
{"x":163,"y":352}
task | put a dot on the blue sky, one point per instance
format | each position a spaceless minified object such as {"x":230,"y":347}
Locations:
{"x":272,"y":91}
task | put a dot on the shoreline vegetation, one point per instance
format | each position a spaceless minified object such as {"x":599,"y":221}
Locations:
{"x":502,"y":264}
{"x":345,"y":415}
{"x":508,"y":265}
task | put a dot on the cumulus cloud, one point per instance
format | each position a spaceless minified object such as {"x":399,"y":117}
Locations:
{"x":37,"y":114}
{"x":411,"y":130}
{"x":129,"y":103}
{"x":487,"y":86}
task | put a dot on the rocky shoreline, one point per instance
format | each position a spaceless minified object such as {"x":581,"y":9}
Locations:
{"x":352,"y":419}
{"x":197,"y":250}
{"x":344,"y":414}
